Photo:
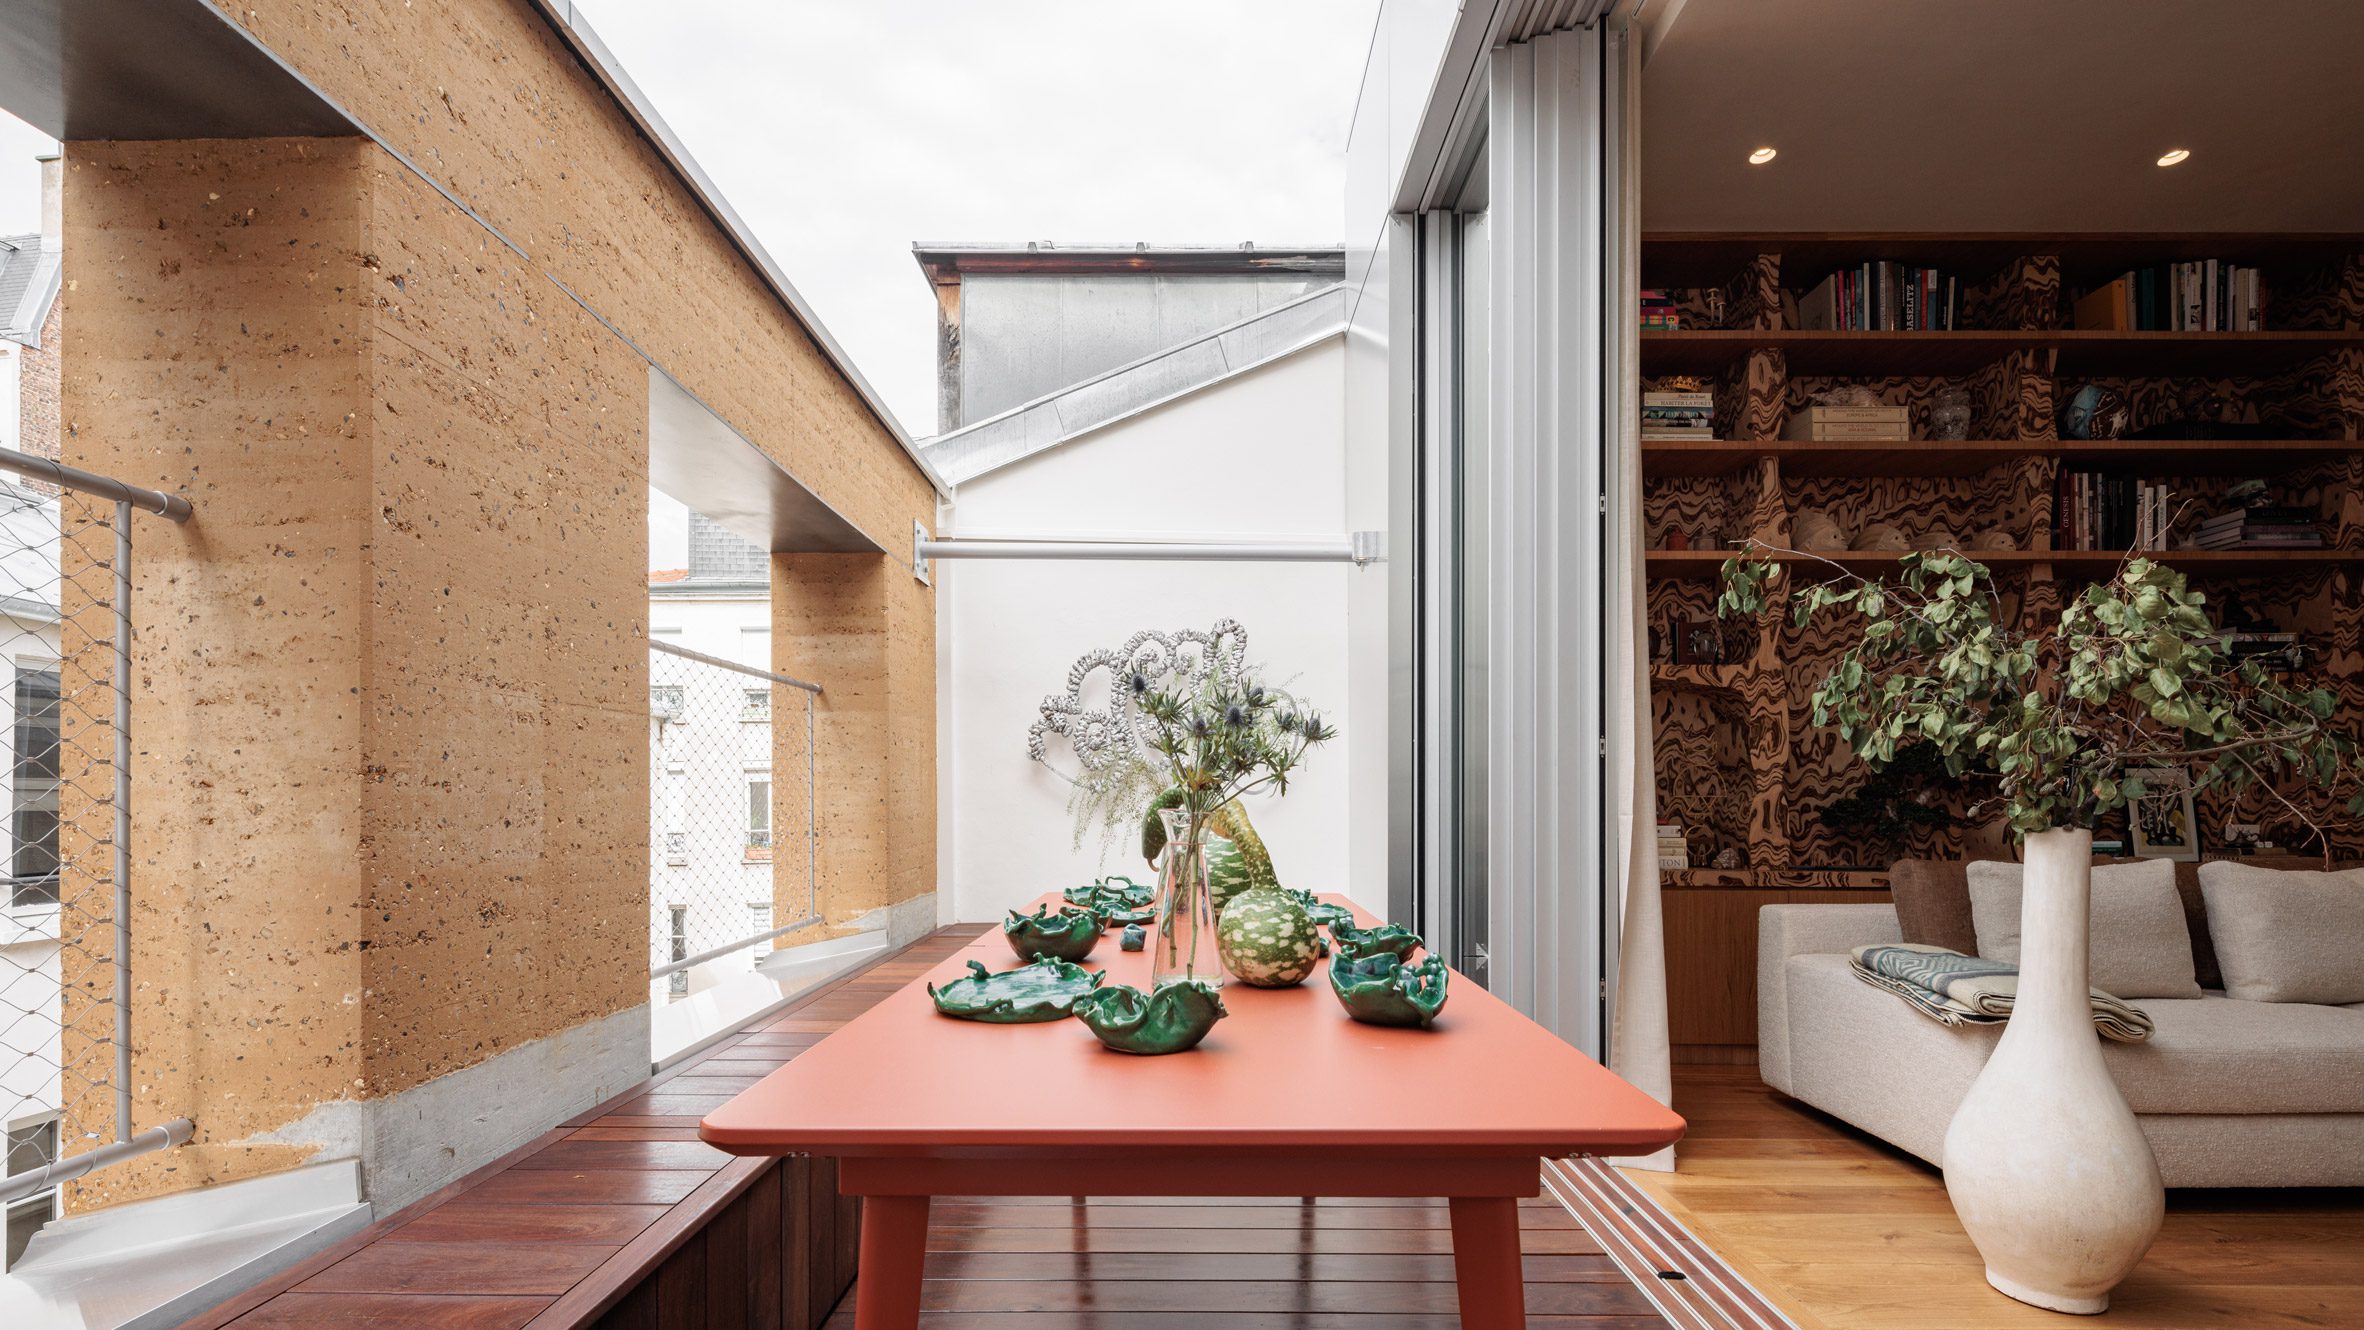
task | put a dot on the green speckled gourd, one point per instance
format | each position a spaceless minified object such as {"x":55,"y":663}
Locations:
{"x":1267,"y":938}
{"x":1235,"y":853}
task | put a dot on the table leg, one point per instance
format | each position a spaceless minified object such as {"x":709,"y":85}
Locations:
{"x":1486,"y":1263}
{"x":894,"y":1255}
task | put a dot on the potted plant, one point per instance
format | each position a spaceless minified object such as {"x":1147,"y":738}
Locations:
{"x":2044,"y":1162}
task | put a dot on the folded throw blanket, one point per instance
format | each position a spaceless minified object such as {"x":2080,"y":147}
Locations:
{"x":1954,"y":989}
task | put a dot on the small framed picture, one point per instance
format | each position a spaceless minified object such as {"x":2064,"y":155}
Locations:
{"x":2162,"y":819}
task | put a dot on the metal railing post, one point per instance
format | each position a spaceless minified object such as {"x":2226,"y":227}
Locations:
{"x":122,"y":835}
{"x":812,"y":880}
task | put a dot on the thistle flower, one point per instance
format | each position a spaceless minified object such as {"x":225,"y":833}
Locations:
{"x":1236,"y":716}
{"x":1139,"y":682}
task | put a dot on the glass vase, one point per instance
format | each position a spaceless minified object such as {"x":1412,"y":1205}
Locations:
{"x":1184,"y":947}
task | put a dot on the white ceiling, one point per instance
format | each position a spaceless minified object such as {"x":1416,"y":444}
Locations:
{"x":2005,"y":115}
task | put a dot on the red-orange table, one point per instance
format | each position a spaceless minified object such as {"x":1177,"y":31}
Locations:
{"x":1287,"y":1097}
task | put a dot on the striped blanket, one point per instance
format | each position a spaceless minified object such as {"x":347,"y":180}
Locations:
{"x":1954,"y":989}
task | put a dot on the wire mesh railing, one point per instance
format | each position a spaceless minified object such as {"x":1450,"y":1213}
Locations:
{"x":732,"y":836}
{"x":66,"y":1037}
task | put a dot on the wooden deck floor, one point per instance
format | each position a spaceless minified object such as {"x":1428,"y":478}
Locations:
{"x":1241,"y":1264}
{"x":1845,"y":1233}
{"x":621,"y":1217}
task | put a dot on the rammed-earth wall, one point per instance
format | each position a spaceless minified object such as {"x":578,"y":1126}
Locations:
{"x":391,"y":688}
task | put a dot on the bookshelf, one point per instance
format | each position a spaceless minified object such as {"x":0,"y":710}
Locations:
{"x":1739,"y":761}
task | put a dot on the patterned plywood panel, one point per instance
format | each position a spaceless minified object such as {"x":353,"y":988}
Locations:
{"x":1740,"y":759}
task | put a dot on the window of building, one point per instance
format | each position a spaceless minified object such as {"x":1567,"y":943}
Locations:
{"x":677,"y":948}
{"x":675,"y":795}
{"x":30,"y":1146}
{"x":759,"y":913}
{"x":759,"y":814}
{"x":756,"y":706}
{"x":32,"y":805}
{"x":666,"y":700}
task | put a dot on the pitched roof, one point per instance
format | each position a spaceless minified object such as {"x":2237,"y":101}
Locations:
{"x":1128,"y":390}
{"x":28,"y":287}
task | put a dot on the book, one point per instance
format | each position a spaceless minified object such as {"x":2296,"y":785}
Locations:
{"x":1832,"y":423}
{"x":2104,"y":309}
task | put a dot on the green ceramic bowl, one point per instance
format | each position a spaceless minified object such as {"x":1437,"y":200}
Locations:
{"x":1379,"y":989}
{"x":1069,"y":935}
{"x":1116,"y":899}
{"x":1045,"y":990}
{"x":1171,"y":1020}
{"x":1385,"y":940}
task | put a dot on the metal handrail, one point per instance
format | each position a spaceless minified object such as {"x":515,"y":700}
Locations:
{"x":171,"y":506}
{"x":702,"y":658}
{"x":812,"y":855}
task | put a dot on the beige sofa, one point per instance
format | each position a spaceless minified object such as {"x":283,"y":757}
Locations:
{"x":2230,"y":1093}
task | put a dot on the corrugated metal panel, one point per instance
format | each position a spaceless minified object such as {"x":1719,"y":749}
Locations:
{"x":1529,"y":19}
{"x":1026,"y":335}
{"x":1133,"y":388}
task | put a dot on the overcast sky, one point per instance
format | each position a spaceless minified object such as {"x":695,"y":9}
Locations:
{"x":843,"y":130}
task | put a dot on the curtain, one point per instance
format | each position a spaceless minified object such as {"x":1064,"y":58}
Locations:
{"x":1639,"y":1048}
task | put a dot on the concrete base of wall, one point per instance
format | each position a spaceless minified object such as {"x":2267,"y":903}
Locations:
{"x":905,"y":922}
{"x":411,"y":1143}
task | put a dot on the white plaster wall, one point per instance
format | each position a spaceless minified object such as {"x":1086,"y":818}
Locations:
{"x":1259,"y":456}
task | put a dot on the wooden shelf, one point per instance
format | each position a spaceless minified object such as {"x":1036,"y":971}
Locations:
{"x":1710,"y":677}
{"x":1889,"y":354}
{"x":1711,"y":258}
{"x":1703,"y":564}
{"x":1793,"y":879}
{"x":1923,"y":457}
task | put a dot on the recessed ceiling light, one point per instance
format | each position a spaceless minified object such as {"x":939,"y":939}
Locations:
{"x":1764,"y":155}
{"x":2173,"y":155}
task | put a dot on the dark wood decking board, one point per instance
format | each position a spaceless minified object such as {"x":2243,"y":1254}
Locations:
{"x":1241,"y":1263}
{"x":620,"y":1217}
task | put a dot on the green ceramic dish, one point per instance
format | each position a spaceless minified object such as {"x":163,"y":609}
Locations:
{"x":1171,"y":1020}
{"x":1046,"y":990}
{"x":1115,"y":898}
{"x":1133,"y":938}
{"x":1068,"y":935}
{"x":1385,"y":940}
{"x":1379,"y":989}
{"x":1324,"y":914}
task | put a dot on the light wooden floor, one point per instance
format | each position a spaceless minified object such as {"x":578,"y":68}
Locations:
{"x":1845,"y":1233}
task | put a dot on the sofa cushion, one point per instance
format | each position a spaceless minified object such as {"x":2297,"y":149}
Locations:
{"x":2286,"y":936}
{"x":2210,"y":1055}
{"x":1933,"y":903}
{"x":2140,"y":945}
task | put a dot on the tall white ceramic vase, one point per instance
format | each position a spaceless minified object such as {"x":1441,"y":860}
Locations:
{"x":2046,"y":1167}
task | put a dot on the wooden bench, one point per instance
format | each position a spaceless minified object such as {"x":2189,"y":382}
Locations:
{"x":618,"y":1218}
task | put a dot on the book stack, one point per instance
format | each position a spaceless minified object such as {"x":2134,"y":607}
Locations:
{"x":1882,"y":296}
{"x":1673,"y":850}
{"x":1843,"y":424}
{"x":1658,"y":311}
{"x":2094,"y":511}
{"x":2206,"y":295}
{"x":1677,"y":416}
{"x":2263,"y":528}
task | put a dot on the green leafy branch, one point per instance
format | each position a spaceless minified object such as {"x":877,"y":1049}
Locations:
{"x":2132,"y":675}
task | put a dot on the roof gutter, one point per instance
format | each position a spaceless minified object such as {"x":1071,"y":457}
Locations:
{"x":575,"y":31}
